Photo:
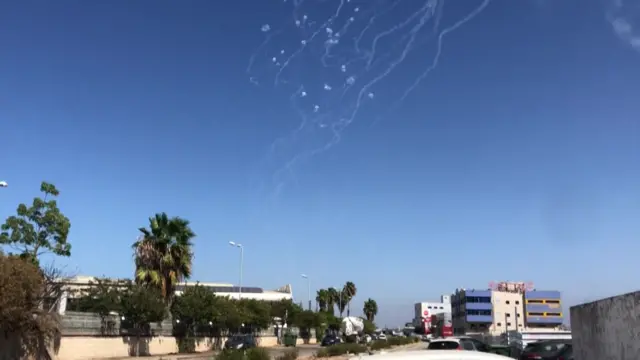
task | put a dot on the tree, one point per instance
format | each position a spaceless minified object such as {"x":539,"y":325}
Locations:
{"x":349,"y":290}
{"x":103,"y":297}
{"x":140,"y":306}
{"x":334,"y":299}
{"x":369,"y":327}
{"x":38,"y":229}
{"x":163,"y":254}
{"x":23,"y":318}
{"x":370,"y":309}
{"x":322,"y":298}
{"x":339,"y":299}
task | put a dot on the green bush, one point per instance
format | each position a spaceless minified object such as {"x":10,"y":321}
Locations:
{"x":229,"y":354}
{"x":258,"y":353}
{"x":380,"y":344}
{"x":341,"y":349}
{"x":401,"y":340}
{"x":290,"y":354}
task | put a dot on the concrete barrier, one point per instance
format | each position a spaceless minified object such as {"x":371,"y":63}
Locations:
{"x":607,"y":329}
{"x":88,"y":347}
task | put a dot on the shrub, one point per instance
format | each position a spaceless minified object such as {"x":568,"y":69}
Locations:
{"x":290,"y":354}
{"x":258,"y":353}
{"x":380,"y":344}
{"x":401,"y":340}
{"x":341,"y":349}
{"x":229,"y":354}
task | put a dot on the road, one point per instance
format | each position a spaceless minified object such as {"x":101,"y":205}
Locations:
{"x":303,"y":350}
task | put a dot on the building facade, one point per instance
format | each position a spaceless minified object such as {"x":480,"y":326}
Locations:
{"x":471,"y":311}
{"x":543,"y":309}
{"x":506,"y":306}
{"x":423,"y":311}
{"x":508,"y":311}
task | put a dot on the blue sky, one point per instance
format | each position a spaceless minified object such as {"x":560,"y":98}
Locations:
{"x":516,"y":158}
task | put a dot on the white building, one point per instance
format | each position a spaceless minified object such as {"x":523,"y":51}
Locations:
{"x":508,"y":312}
{"x":75,"y":285}
{"x":424,"y":310}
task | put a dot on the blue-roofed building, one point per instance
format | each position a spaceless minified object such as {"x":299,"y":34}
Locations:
{"x":543,"y":308}
{"x":471,"y":311}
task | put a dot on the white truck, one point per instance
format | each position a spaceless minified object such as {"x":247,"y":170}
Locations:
{"x":352,"y":328}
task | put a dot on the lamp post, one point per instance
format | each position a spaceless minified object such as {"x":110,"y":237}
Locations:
{"x":304,"y":276}
{"x":239,"y":246}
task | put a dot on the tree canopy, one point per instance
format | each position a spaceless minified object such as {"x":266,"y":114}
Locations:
{"x":163,"y":254}
{"x":38,"y":229}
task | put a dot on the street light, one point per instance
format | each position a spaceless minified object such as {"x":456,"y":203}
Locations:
{"x":304,"y":276}
{"x":234,"y":244}
{"x":4,"y":184}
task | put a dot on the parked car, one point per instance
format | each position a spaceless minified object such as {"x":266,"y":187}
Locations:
{"x":548,"y":350}
{"x":459,"y":343}
{"x":437,"y":355}
{"x":382,"y":336}
{"x":240,"y":341}
{"x":330,"y":339}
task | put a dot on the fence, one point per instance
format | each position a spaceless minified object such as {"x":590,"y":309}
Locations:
{"x":90,"y":324}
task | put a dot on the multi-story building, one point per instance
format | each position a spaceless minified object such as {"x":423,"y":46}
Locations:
{"x":505,"y":306}
{"x":423,"y":311}
{"x":508,"y":311}
{"x":543,"y":309}
{"x":471,"y":311}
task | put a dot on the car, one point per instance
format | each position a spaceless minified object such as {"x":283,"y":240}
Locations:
{"x":458,"y":343}
{"x":382,"y":336}
{"x":240,"y":341}
{"x":329,"y":340}
{"x":548,"y":350}
{"x":437,"y":355}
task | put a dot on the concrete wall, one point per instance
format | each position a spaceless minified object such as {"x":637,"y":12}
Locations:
{"x":607,"y":329}
{"x":88,"y":347}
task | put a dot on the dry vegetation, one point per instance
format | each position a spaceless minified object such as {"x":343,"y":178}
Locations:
{"x":27,"y":326}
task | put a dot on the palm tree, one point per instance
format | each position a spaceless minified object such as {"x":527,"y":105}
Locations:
{"x":349,"y":290}
{"x":370,"y":309}
{"x":322,"y":297}
{"x":163,"y":253}
{"x":334,"y":299}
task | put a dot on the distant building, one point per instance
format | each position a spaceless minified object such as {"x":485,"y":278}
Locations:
{"x":75,"y":285}
{"x":508,"y":312}
{"x":423,"y":311}
{"x":505,"y":306}
{"x":543,"y":309}
{"x":471,"y":311}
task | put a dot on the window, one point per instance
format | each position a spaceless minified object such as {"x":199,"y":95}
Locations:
{"x":499,"y":324}
{"x":517,"y":302}
{"x":508,"y":315}
{"x":467,"y":345}
{"x":518,"y":315}
{"x":508,"y":302}
{"x":443,"y":345}
{"x":508,"y":324}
